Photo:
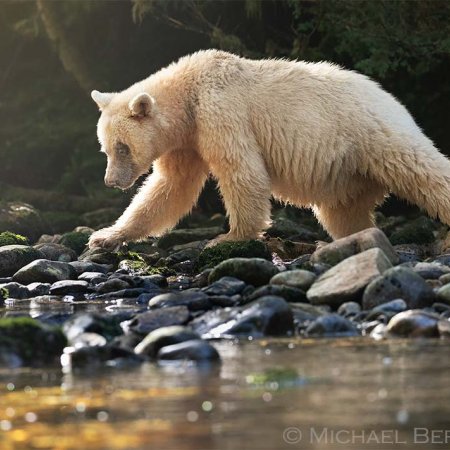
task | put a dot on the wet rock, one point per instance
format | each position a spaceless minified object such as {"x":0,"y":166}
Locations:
{"x":444,"y":328}
{"x":16,"y":290}
{"x":88,"y":266}
{"x":431,"y":271}
{"x":37,"y":289}
{"x":23,"y":219}
{"x":127,"y":293}
{"x":305,"y":313}
{"x":56,"y":252}
{"x":267,"y":316}
{"x":162,"y":337}
{"x":96,"y":357}
{"x":93,"y":277}
{"x":409,"y":253}
{"x":443,"y":294}
{"x":42,"y":270}
{"x":149,"y":321}
{"x":194,"y":350}
{"x":112,"y":285}
{"x":66,"y":287}
{"x":29,"y":342}
{"x":192,"y":299}
{"x":183,"y":236}
{"x":445,"y":279}
{"x":106,"y":326}
{"x":388,"y":309}
{"x":413,"y":323}
{"x":225,"y":286}
{"x":290,"y":294}
{"x":349,"y":309}
{"x":398,"y":282}
{"x":88,"y":340}
{"x":224,"y":301}
{"x":100,"y":256}
{"x":211,"y":257}
{"x":255,"y":271}
{"x":346,"y":281}
{"x":301,"y":279}
{"x":343,"y":248}
{"x":212,"y":319}
{"x":158,"y":280}
{"x":332,"y":325}
{"x":14,"y":257}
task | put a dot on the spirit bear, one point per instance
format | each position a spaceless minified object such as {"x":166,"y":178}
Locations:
{"x":311,"y":134}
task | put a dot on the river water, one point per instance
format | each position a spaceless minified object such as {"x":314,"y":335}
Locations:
{"x":268,"y":394}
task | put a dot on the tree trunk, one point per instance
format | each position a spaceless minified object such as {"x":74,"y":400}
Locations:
{"x":69,"y":54}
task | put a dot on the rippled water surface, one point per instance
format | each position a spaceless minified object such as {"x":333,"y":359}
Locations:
{"x":272,"y":394}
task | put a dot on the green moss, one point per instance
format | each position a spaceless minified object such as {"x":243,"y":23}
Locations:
{"x":9,"y":238}
{"x":75,"y":240}
{"x":210,"y":257}
{"x":31,"y":340}
{"x":134,"y":262}
{"x":418,"y":231}
{"x":3,"y":293}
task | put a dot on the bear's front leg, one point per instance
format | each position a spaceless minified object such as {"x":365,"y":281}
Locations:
{"x":167,"y":194}
{"x":245,"y":188}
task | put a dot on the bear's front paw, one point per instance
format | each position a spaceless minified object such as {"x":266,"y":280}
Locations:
{"x":107,"y":238}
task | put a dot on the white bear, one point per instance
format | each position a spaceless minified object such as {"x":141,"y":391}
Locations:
{"x":311,"y":134}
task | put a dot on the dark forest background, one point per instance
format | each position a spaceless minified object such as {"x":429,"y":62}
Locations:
{"x":53,"y":53}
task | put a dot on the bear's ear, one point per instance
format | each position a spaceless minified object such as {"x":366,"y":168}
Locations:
{"x":102,"y":99}
{"x":141,"y":105}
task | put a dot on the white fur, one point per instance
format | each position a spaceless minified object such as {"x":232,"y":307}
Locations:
{"x":313,"y":135}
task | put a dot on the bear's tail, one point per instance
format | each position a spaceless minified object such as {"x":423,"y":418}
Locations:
{"x":416,"y":171}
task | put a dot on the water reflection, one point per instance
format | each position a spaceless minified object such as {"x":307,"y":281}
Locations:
{"x":266,"y":395}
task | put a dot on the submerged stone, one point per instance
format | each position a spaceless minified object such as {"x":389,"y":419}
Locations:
{"x":194,"y":350}
{"x":163,"y":337}
{"x":332,"y":325}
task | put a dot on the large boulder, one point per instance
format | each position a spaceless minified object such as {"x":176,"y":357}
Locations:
{"x":351,"y":245}
{"x":25,"y":341}
{"x":346,"y":281}
{"x":14,"y":257}
{"x":22,"y":218}
{"x":45,"y":271}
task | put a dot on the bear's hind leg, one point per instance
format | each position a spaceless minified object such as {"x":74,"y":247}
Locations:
{"x":341,"y":220}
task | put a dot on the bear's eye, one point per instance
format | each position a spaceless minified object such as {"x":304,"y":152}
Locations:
{"x":122,"y":149}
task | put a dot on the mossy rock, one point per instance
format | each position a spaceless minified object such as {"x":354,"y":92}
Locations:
{"x":212,"y":256}
{"x":135,"y":263}
{"x":30,"y":341}
{"x":9,"y":238}
{"x":22,"y":218}
{"x":76,"y":240}
{"x":418,"y":231}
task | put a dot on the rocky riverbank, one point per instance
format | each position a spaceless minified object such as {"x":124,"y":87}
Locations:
{"x":171,"y":298}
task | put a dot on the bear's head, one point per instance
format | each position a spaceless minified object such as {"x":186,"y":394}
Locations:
{"x":131,"y":133}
